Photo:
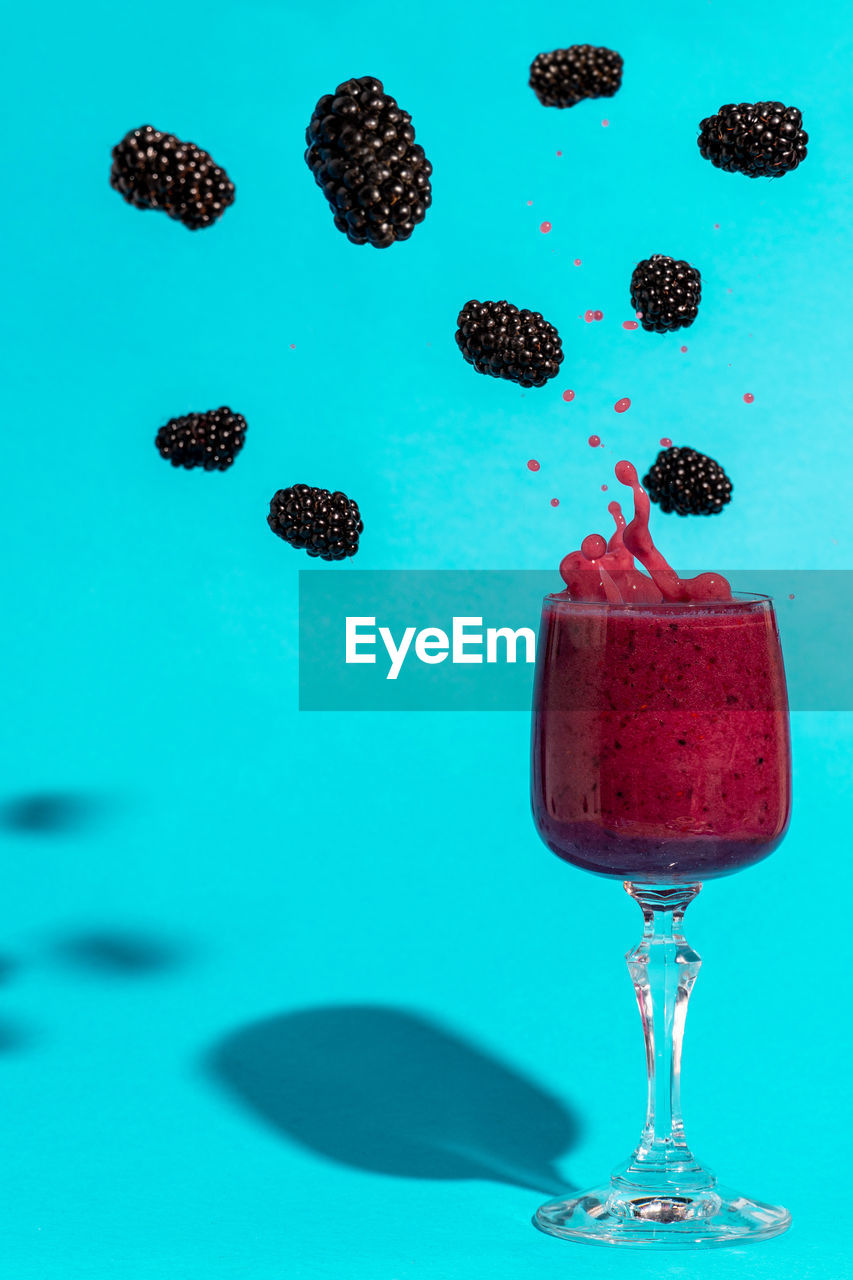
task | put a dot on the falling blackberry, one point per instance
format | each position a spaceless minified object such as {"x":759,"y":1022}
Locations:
{"x":760,"y":139}
{"x":499,"y":339}
{"x":211,"y":440}
{"x":323,"y":524}
{"x":363,"y":155}
{"x":688,"y":483}
{"x":665,"y":292}
{"x":154,"y":170}
{"x":567,"y":76}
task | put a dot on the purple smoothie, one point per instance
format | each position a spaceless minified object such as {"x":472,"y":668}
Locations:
{"x":661,"y":747}
{"x":661,"y":743}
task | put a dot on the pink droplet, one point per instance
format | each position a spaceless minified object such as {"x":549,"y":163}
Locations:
{"x":293,"y":346}
{"x":598,"y":315}
{"x":545,"y":227}
{"x":568,"y":396}
{"x":604,"y":488}
{"x":729,"y":290}
{"x":605,"y":123}
{"x":559,"y":153}
{"x":683,"y":348}
{"x":533,"y":465}
{"x":577,"y":262}
{"x":594,"y":442}
{"x":529,"y":203}
{"x":593,"y":546}
{"x":589,"y":316}
{"x":716,"y":226}
{"x":630,"y":324}
{"x":639,"y":315}
{"x":665,"y":441}
{"x":748,"y":398}
{"x":790,"y":595}
{"x":555,"y":502}
{"x":623,"y":404}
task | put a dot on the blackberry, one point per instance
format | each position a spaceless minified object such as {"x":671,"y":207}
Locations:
{"x":688,"y":483}
{"x":760,"y":139}
{"x":567,"y":76}
{"x":666,"y":293}
{"x":363,"y":155}
{"x":154,"y":170}
{"x":498,"y":339}
{"x":211,"y":440}
{"x":323,"y":524}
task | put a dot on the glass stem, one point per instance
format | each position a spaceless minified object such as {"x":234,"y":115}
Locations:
{"x":663,"y":968}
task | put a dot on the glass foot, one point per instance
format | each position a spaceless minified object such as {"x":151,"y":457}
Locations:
{"x":695,"y":1219}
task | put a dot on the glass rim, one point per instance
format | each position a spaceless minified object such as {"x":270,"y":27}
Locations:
{"x":742,"y":599}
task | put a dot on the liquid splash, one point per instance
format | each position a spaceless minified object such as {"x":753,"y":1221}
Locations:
{"x":607,"y":570}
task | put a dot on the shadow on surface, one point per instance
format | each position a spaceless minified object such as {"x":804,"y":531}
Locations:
{"x":121,"y":953}
{"x":386,"y":1090}
{"x":50,"y":812}
{"x":14,"y":1036}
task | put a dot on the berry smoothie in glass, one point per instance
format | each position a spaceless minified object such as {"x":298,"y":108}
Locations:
{"x":661,"y":757}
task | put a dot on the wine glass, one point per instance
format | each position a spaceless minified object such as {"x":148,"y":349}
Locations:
{"x":661,"y":757}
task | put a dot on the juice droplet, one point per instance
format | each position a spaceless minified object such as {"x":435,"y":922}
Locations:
{"x":598,"y":315}
{"x":605,"y":123}
{"x":293,"y":346}
{"x":533,"y":465}
{"x":529,"y":203}
{"x":545,"y":227}
{"x":594,"y":442}
{"x":790,"y":595}
{"x":683,"y":348}
{"x":589,"y":316}
{"x":604,"y":488}
{"x":623,"y":404}
{"x":577,"y":262}
{"x":568,"y":396}
{"x":716,"y":226}
{"x":593,"y":546}
{"x":748,"y":398}
{"x":559,"y":153}
{"x":638,"y":314}
{"x":666,"y":442}
{"x":555,"y":502}
{"x":630,"y":324}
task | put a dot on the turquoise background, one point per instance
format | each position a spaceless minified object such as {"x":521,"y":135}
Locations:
{"x":184,"y":853}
